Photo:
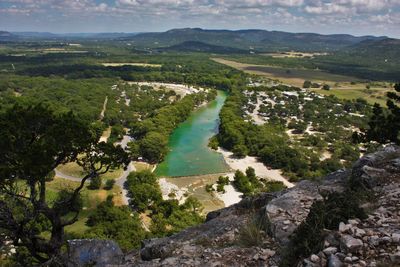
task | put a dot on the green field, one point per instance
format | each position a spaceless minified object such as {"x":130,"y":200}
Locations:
{"x":377,"y":97}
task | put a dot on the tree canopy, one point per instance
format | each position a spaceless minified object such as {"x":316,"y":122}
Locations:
{"x":33,"y":142}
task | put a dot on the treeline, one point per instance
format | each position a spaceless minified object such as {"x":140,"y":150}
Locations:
{"x":188,"y":69}
{"x":151,"y":135}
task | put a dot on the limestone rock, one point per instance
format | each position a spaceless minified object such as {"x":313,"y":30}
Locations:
{"x":92,"y":252}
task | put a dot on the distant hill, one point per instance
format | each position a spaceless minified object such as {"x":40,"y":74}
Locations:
{"x":6,"y":36}
{"x":68,"y":36}
{"x":388,"y":48}
{"x":259,"y":40}
{"x":195,"y":46}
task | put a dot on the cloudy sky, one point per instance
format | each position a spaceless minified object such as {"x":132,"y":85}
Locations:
{"x":359,"y":17}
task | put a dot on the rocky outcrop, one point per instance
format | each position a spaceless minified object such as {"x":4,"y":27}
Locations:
{"x":90,"y":252}
{"x":254,"y":231}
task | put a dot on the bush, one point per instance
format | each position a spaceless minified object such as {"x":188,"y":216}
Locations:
{"x":209,"y":188}
{"x":251,"y":234}
{"x":307,"y":84}
{"x":326,"y":87}
{"x":109,"y":184}
{"x":95,"y":183}
{"x":50,"y":176}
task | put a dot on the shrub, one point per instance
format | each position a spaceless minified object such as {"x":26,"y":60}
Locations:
{"x":326,"y":87}
{"x":251,"y":234}
{"x":50,"y":176}
{"x":209,"y":188}
{"x":95,"y":183}
{"x":307,"y":84}
{"x":109,"y":184}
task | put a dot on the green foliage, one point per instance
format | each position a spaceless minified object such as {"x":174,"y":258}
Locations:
{"x":50,"y":176}
{"x":169,"y":217}
{"x":221,"y":183}
{"x":324,"y":214}
{"x":307,"y":84}
{"x":209,"y":188}
{"x":109,"y":184}
{"x":326,"y":87}
{"x":213,"y":142}
{"x":143,"y":190}
{"x":117,"y":223}
{"x":242,"y":183}
{"x":117,"y":133}
{"x":62,"y":197}
{"x":34,"y":141}
{"x":95,"y":183}
{"x":384,"y":125}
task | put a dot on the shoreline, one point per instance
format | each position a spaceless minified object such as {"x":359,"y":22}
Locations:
{"x":260,"y":169}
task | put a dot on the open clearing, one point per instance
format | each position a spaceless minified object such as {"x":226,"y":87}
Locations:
{"x":295,"y":77}
{"x":115,"y":64}
{"x":375,"y":96}
{"x":90,"y":199}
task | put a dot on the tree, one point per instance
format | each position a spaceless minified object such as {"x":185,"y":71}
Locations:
{"x":384,"y":126}
{"x":110,"y":184}
{"x":33,"y":142}
{"x":153,"y":147}
{"x":95,"y":183}
{"x":307,"y":84}
{"x":326,"y":87}
{"x":117,"y":223}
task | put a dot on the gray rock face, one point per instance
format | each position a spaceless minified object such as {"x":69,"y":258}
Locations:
{"x":92,"y":252}
{"x":366,"y":170}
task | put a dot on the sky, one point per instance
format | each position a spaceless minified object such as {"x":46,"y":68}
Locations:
{"x":357,"y":17}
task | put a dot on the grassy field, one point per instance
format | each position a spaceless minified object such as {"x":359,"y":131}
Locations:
{"x":142,"y":166}
{"x":75,"y":170}
{"x":90,"y":198}
{"x":290,"y":76}
{"x":376,"y":96}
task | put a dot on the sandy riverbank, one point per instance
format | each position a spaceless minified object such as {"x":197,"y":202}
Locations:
{"x":260,"y":169}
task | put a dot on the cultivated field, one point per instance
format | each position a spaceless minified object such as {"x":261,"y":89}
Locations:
{"x":289,"y":76}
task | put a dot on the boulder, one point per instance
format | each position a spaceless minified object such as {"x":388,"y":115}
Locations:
{"x":93,"y":252}
{"x":334,"y":261}
{"x":350,"y":244}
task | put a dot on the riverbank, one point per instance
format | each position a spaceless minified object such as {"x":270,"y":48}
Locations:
{"x":260,"y":169}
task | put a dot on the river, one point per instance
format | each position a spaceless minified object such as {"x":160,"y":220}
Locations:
{"x":189,"y":152}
